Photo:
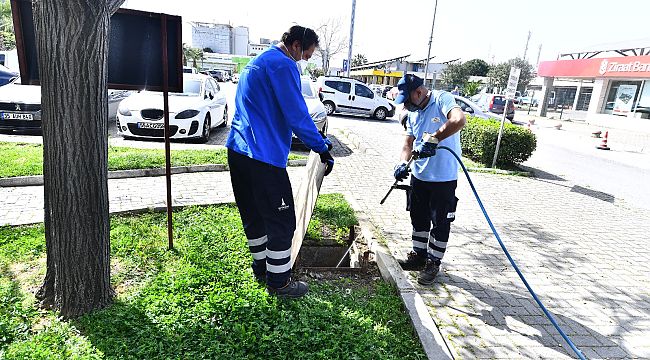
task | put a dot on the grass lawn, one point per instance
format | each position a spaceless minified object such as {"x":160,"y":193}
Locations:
{"x":330,"y":224}
{"x":27,"y":159}
{"x":197,"y":302}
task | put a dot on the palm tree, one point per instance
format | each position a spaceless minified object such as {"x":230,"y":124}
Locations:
{"x":194,"y":54}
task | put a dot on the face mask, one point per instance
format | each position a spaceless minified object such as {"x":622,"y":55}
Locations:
{"x":300,"y":62}
{"x":408,"y":105}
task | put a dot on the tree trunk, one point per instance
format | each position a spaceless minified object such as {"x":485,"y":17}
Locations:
{"x":72,"y":42}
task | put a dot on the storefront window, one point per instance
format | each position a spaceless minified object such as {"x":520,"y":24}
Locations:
{"x":643,"y":105}
{"x":621,"y":97}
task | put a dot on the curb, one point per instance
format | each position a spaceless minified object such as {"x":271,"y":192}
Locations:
{"x":124,"y":174}
{"x":501,"y":172}
{"x":425,"y":327}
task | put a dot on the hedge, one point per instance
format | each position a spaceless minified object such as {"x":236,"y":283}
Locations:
{"x":479,"y":137}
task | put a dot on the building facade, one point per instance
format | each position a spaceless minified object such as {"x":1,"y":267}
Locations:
{"x":220,"y":38}
{"x":613,"y":90}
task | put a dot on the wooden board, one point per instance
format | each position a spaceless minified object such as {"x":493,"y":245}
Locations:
{"x":305,"y":200}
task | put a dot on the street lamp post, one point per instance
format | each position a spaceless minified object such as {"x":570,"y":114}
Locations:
{"x":426,"y":66}
{"x":354,"y":5}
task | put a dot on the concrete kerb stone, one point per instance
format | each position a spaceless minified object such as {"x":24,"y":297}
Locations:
{"x":123,"y":174}
{"x":425,"y":327}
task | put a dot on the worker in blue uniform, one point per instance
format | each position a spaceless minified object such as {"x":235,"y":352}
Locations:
{"x":433,"y":118}
{"x":269,"y":107}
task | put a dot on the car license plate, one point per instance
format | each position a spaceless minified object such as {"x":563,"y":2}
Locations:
{"x":142,"y":125}
{"x":14,"y":116}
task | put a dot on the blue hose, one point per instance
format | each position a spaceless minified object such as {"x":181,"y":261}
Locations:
{"x":521,"y":276}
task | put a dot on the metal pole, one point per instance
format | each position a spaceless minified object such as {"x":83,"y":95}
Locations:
{"x":503,"y":121}
{"x":426,"y":66}
{"x":168,"y":174}
{"x":354,"y":5}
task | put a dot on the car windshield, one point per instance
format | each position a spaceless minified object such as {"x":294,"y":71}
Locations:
{"x":192,"y":87}
{"x":498,"y":100}
{"x":307,"y":90}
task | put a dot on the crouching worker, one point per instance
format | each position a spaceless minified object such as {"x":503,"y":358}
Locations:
{"x":269,"y":107}
{"x":433,"y":119}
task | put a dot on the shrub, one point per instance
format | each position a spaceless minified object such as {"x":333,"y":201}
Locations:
{"x":479,"y":137}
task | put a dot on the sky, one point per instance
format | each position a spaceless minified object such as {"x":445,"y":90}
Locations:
{"x":494,"y":31}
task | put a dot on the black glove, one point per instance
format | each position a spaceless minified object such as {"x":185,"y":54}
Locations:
{"x":328,"y":142}
{"x":327,"y":159}
{"x":425,"y":150}
{"x":401,"y":171}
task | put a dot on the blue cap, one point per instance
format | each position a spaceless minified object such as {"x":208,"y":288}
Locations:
{"x":406,"y":84}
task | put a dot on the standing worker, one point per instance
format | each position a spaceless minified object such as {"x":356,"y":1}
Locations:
{"x":269,"y":107}
{"x":435,"y":173}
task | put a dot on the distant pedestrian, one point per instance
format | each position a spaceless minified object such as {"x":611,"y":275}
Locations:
{"x":269,"y":107}
{"x":434,"y":174}
{"x":456,"y":91}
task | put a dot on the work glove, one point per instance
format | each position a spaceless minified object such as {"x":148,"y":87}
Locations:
{"x":328,"y":142}
{"x":401,"y":171}
{"x":427,"y":147}
{"x":327,"y":159}
{"x":425,"y":150}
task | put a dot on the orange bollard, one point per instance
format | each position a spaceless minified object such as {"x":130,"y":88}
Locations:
{"x":603,"y":144}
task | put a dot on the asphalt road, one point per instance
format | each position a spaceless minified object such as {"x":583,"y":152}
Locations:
{"x":609,"y":175}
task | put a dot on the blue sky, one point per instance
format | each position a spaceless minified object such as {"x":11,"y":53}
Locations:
{"x":464,"y":29}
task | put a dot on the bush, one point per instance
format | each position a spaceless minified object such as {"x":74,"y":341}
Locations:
{"x":479,"y":137}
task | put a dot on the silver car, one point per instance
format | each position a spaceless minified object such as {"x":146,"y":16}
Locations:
{"x":471,"y":108}
{"x":314,"y":106}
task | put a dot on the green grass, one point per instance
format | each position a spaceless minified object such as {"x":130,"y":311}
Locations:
{"x":331,"y":221}
{"x":27,"y":159}
{"x":197,"y":302}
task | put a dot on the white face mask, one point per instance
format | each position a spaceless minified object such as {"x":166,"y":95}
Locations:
{"x":301,"y":63}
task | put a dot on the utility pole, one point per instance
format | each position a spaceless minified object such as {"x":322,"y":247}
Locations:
{"x":354,"y":5}
{"x":539,"y":52}
{"x":526,"y":49}
{"x":426,"y":66}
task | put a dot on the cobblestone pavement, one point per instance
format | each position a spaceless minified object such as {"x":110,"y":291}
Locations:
{"x":586,"y":257}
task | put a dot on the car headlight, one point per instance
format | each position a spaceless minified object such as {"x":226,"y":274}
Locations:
{"x":187,"y":114}
{"x":319,"y":115}
{"x":123,"y":110}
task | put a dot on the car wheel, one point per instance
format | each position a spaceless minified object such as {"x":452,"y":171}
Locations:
{"x":329,"y":107}
{"x":380,"y":113}
{"x":225,"y":117}
{"x":205,"y":134}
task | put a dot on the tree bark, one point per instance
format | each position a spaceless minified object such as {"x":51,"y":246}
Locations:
{"x":72,"y":41}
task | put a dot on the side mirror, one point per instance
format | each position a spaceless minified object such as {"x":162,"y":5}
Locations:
{"x":468,"y":109}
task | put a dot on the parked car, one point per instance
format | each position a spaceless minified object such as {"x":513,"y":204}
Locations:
{"x":495,"y":103}
{"x":189,"y":70}
{"x":192,"y":114}
{"x":316,"y":108}
{"x":346,"y":95}
{"x":386,"y":90}
{"x":7,"y":76}
{"x":20,"y":106}
{"x":235,"y":78}
{"x":468,"y":107}
{"x":471,"y":108}
{"x":527,"y":100}
{"x":215,"y":74}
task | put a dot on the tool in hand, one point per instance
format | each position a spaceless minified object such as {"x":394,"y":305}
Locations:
{"x":424,"y":150}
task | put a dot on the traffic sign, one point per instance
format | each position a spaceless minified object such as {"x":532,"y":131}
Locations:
{"x":513,"y":81}
{"x":345,"y":65}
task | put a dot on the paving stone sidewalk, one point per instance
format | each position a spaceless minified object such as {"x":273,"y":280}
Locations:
{"x":586,"y":258}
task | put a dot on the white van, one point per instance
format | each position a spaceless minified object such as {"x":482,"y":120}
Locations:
{"x":346,"y":95}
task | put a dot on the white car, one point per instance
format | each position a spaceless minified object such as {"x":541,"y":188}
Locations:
{"x":192,"y":114}
{"x":314,"y":106}
{"x":347,"y":95}
{"x":20,"y":106}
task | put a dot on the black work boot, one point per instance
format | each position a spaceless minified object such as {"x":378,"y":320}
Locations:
{"x":261,"y":278}
{"x":428,"y":275}
{"x":293,"y":289}
{"x":413,"y":261}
